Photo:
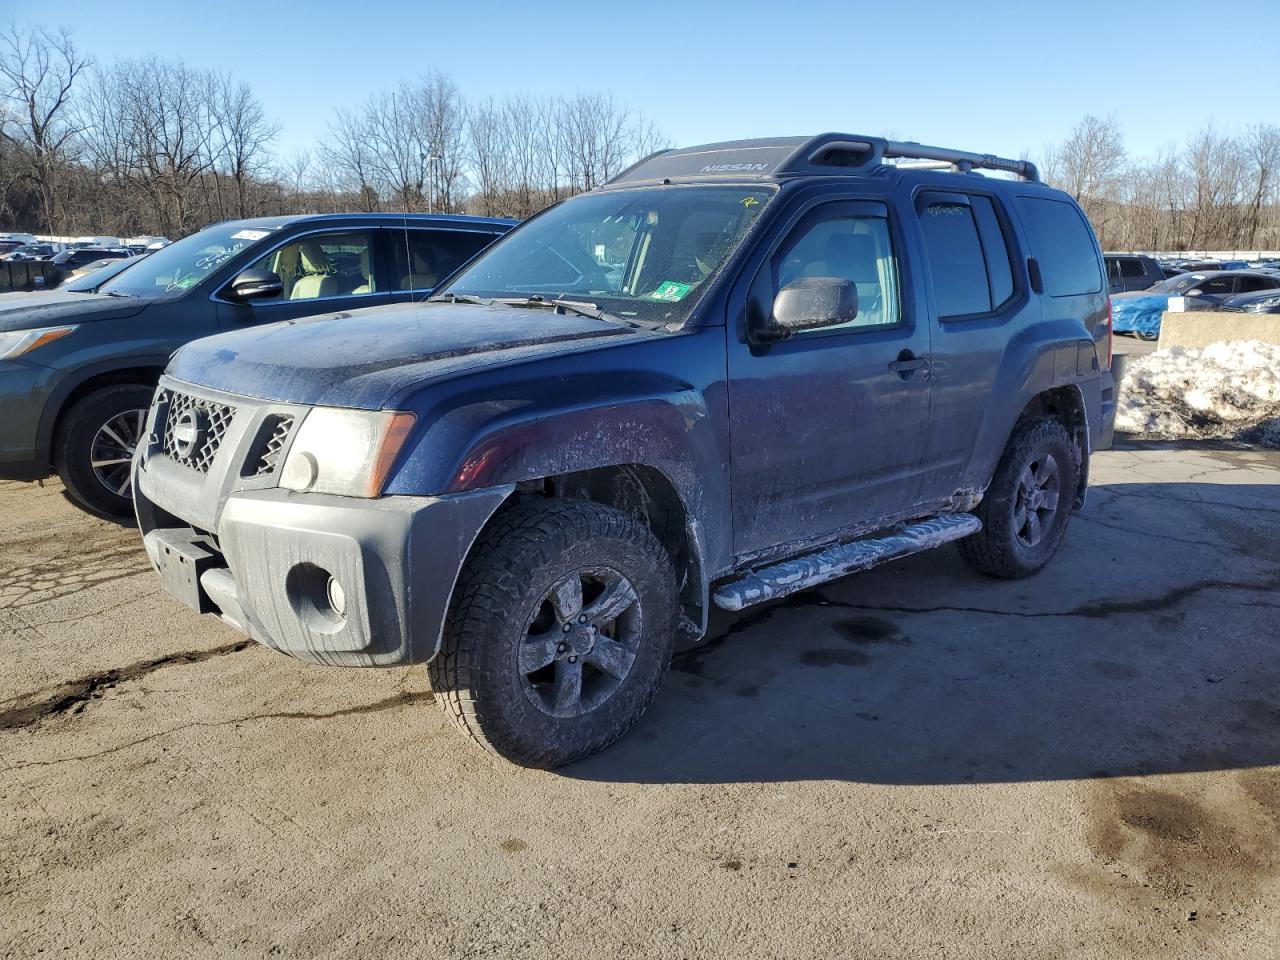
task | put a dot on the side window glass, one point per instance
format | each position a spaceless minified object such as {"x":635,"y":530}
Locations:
{"x":422,"y":258}
{"x":1218,"y":285}
{"x":1131,"y":268}
{"x":959,"y":269}
{"x":321,"y":265}
{"x":857,"y":249}
{"x":1250,"y":284}
{"x":1063,"y":242}
{"x":995,"y":248}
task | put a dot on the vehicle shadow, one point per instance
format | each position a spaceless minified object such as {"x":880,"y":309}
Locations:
{"x":1150,"y":645}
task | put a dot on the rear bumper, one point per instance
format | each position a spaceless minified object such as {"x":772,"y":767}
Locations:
{"x":267,"y":566}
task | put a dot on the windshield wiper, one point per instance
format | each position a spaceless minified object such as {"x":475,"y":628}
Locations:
{"x":116,"y":293}
{"x":580,"y":307}
{"x":459,"y":298}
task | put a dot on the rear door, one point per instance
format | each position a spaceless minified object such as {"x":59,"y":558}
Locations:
{"x":978,"y":299}
{"x":828,"y":428}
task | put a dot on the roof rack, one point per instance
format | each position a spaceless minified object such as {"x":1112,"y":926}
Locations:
{"x":827,"y":153}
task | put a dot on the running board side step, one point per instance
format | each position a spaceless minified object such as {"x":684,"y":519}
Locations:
{"x":801,"y":573}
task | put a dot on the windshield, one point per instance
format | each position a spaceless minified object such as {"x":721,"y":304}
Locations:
{"x":173,"y":270}
{"x":643,"y":255}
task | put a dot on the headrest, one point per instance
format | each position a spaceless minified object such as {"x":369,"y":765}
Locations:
{"x":312,"y":258}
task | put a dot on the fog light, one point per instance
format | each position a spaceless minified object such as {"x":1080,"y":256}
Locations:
{"x":337,"y":597}
{"x":299,"y":472}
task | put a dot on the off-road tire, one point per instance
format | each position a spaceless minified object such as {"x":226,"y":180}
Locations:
{"x":74,"y":439}
{"x":996,"y":550}
{"x":526,"y":549}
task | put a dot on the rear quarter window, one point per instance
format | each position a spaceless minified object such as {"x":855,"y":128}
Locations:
{"x":1063,"y":243}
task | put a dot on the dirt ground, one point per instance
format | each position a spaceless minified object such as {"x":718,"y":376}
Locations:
{"x":915,"y":762}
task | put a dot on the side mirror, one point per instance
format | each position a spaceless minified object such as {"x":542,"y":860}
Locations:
{"x":256,"y":285}
{"x":1193,"y":293}
{"x":809,"y":303}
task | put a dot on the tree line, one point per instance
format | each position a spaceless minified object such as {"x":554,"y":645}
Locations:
{"x":1217,"y":191}
{"x":154,"y":146}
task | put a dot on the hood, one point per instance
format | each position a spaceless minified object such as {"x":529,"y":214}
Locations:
{"x":26,"y":311}
{"x":364,"y":358}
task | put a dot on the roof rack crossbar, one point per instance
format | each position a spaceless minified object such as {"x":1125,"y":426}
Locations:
{"x":866,"y":152}
{"x":961,"y":159}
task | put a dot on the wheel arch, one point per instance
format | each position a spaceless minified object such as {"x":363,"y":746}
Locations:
{"x":651,"y":497}
{"x":87,"y":380}
{"x":1066,"y":404}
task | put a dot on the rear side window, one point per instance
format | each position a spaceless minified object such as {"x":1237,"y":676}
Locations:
{"x":1251,"y":284}
{"x":1131,"y":268}
{"x":959,"y":270}
{"x":1063,"y":243}
{"x":423,"y":258}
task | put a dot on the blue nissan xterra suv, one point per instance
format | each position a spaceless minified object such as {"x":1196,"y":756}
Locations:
{"x":733,"y":372}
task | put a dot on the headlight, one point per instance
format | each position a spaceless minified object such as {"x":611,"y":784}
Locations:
{"x":17,"y":342}
{"x":347,"y":452}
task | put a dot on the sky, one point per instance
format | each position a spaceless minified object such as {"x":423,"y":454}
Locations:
{"x":988,"y":76}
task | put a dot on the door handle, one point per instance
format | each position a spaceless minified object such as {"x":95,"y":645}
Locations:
{"x":907,"y":363}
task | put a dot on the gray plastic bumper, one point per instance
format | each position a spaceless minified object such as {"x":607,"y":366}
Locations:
{"x":268,"y":570}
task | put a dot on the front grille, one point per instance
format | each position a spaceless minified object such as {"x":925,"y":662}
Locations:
{"x":213,"y":422}
{"x":272,"y":437}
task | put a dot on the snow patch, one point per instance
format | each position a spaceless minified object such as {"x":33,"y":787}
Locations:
{"x":1227,"y":390}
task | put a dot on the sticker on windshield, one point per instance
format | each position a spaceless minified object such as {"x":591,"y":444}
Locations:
{"x":669,"y":291}
{"x":250,"y":234}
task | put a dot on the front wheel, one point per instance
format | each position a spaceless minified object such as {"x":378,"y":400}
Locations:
{"x":1148,"y":337}
{"x":95,"y":445}
{"x":560,"y":632}
{"x":1026,"y":508}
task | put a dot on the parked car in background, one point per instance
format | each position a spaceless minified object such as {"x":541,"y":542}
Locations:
{"x":1127,"y":271}
{"x":34,"y":251}
{"x":70,"y":260}
{"x":85,"y":280}
{"x":8,"y":246}
{"x":735,"y":371}
{"x":92,"y":267}
{"x":78,"y":365}
{"x":1140,"y":313}
{"x":1264,"y":301}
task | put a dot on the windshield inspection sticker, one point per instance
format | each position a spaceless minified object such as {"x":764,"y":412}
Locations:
{"x":250,"y":234}
{"x":669,"y":291}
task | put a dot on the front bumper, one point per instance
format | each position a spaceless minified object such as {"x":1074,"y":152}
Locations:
{"x":25,"y":389}
{"x":265,"y":561}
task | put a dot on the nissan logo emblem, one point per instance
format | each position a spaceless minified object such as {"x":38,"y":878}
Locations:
{"x":188,"y":431}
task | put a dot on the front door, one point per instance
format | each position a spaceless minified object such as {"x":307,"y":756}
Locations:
{"x":321,"y":272}
{"x":828,"y":428}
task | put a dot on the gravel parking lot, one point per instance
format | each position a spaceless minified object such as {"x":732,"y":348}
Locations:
{"x":913,"y":762}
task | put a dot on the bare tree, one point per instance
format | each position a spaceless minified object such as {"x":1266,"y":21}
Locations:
{"x":243,"y":137}
{"x":38,"y":69}
{"x":1261,"y":145}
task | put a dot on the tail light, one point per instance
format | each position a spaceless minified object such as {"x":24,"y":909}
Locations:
{"x":1109,"y":334}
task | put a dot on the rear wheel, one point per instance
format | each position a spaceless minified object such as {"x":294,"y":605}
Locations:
{"x":1148,"y":337}
{"x":95,"y":444}
{"x":1027,"y":507}
{"x":560,"y":633}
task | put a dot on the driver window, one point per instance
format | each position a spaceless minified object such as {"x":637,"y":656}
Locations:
{"x":321,"y":265}
{"x":857,"y":249}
